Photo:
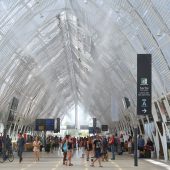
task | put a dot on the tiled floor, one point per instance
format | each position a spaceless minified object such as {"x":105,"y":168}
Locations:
{"x":53,"y":161}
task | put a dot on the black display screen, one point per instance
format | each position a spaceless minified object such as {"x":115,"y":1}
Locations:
{"x":104,"y":127}
{"x":44,"y":124}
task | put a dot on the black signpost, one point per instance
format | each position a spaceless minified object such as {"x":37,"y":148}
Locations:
{"x":144,"y":91}
{"x":144,"y":84}
{"x":94,"y":122}
{"x":58,"y":124}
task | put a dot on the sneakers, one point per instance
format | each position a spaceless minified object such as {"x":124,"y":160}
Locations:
{"x":20,"y":160}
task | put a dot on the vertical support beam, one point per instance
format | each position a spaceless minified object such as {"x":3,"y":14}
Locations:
{"x":76,"y":116}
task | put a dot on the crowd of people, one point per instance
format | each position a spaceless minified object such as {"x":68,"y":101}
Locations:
{"x":97,"y":147}
{"x":93,"y":148}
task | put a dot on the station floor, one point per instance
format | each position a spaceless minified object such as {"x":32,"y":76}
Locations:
{"x":53,"y":161}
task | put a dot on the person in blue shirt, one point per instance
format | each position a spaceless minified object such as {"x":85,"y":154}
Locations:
{"x":20,"y":146}
{"x":141,"y":143}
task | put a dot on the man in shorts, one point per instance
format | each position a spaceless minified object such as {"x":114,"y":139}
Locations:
{"x":97,"y":147}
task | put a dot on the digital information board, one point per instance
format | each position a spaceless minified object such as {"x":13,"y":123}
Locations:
{"x":104,"y":127}
{"x":44,"y":124}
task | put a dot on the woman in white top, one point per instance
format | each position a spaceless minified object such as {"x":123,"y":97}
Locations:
{"x":36,"y":149}
{"x":130,"y":145}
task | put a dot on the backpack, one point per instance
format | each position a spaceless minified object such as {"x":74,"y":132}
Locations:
{"x":64,"y":147}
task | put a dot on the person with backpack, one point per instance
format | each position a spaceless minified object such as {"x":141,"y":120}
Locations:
{"x":70,"y":148}
{"x":64,"y":149}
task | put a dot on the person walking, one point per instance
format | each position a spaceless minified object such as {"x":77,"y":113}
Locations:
{"x":89,"y":147}
{"x":64,"y":149}
{"x":20,"y":146}
{"x":36,"y":149}
{"x":97,"y":146}
{"x":70,"y":150}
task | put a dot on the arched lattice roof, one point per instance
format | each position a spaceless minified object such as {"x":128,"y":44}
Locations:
{"x":58,"y":53}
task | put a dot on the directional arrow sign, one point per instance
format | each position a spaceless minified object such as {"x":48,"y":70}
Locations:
{"x":144,"y":110}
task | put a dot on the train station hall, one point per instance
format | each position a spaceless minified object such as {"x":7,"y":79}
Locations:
{"x":84,"y":84}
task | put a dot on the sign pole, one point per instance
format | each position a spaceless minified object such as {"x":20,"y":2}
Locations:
{"x":135,"y":146}
{"x":144,"y":86}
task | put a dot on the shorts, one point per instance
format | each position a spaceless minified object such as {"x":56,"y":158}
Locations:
{"x":97,"y":154}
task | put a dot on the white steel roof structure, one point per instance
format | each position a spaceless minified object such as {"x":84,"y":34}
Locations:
{"x":58,"y":53}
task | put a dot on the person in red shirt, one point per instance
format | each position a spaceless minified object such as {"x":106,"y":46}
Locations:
{"x":111,"y":143}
